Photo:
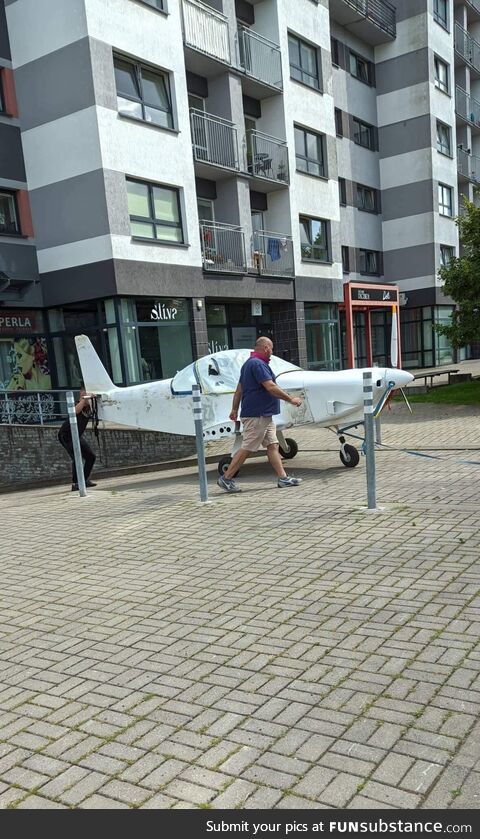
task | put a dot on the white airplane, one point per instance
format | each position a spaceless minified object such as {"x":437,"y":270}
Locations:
{"x":332,"y":400}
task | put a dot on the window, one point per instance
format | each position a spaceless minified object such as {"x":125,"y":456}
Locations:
{"x":303,"y":62}
{"x":8,"y":213}
{"x":338,"y":122}
{"x":447,"y":252}
{"x":310,"y":152}
{"x":361,"y":68}
{"x":345,"y":259}
{"x":440,"y":12}
{"x":314,"y":239}
{"x":143,"y":93}
{"x":342,"y":191}
{"x":445,"y":203}
{"x":369,"y":262}
{"x":156,"y":4}
{"x":154,"y":212}
{"x":334,"y":49}
{"x":444,"y":144}
{"x":366,"y":198}
{"x":441,"y":75}
{"x":363,"y":134}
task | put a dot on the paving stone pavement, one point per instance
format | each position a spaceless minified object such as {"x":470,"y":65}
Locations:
{"x":268,"y":650}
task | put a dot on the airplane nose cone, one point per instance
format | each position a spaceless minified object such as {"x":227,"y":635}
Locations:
{"x":400,"y":377}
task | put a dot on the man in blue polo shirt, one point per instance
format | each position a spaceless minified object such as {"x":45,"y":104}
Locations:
{"x":260,"y":397}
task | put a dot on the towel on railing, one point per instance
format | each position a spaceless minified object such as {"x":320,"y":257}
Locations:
{"x":273,"y":249}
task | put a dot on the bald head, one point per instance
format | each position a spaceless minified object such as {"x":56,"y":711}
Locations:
{"x":263,"y":343}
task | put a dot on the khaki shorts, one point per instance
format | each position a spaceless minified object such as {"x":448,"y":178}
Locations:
{"x":258,"y":432}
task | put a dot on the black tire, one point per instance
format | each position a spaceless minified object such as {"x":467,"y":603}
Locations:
{"x":352,"y":456}
{"x":292,"y":449}
{"x":224,"y":463}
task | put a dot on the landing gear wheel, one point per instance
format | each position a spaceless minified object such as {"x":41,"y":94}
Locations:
{"x":224,"y":463}
{"x":351,"y":456}
{"x":292,"y":449}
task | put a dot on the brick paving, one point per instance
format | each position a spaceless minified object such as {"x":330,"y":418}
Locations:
{"x":269,"y":650}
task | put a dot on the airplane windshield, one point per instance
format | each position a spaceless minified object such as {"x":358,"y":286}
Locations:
{"x":220,"y":372}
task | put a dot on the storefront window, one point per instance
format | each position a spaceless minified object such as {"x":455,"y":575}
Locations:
{"x":232,"y":325}
{"x":24,"y":361}
{"x":157,"y":341}
{"x":323,"y":336}
{"x":443,"y":348}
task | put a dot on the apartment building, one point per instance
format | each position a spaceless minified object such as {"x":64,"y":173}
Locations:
{"x":199,"y":173}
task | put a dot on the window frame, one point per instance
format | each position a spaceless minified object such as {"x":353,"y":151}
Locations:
{"x":360,"y":60}
{"x":338,"y":122}
{"x":367,"y":254}
{"x":342,"y":192}
{"x":321,"y":161}
{"x":444,"y":87}
{"x":316,"y":50}
{"x":13,"y":196}
{"x":163,"y":8}
{"x":441,"y":188}
{"x":444,"y":148}
{"x":154,"y":222}
{"x":335,"y":58}
{"x":345,"y":259}
{"x":443,"y":249}
{"x":371,"y":133}
{"x":363,"y":189}
{"x":443,"y":22}
{"x":325,"y":223}
{"x":137,"y":68}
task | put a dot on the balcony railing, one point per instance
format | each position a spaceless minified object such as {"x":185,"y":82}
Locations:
{"x":223,"y":247}
{"x":378,"y":11}
{"x":474,"y":4}
{"x":259,"y":57}
{"x":214,"y":140}
{"x":267,"y":157}
{"x":468,"y":165}
{"x":467,"y":47}
{"x":467,"y":107}
{"x":273,"y":253}
{"x":206,"y":30}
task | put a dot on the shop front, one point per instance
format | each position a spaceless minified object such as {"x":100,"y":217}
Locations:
{"x":24,"y":351}
{"x":237,"y":325}
{"x":322,"y":329}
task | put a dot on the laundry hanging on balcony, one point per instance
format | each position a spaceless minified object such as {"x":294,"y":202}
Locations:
{"x":273,"y":249}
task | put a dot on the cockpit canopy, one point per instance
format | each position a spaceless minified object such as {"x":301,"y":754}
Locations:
{"x":219,"y":373}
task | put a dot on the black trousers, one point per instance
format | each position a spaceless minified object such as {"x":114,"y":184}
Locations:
{"x":87,"y":454}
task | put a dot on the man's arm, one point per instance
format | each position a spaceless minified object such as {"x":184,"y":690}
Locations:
{"x":237,"y":396}
{"x":277,"y":391}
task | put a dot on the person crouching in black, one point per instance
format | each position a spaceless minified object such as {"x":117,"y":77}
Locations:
{"x":83,"y":412}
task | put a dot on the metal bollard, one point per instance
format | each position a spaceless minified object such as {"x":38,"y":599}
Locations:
{"x":198,"y":419}
{"x":77,"y":453}
{"x":369,"y":439}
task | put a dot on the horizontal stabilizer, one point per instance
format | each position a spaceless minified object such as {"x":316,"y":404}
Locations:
{"x":95,"y":377}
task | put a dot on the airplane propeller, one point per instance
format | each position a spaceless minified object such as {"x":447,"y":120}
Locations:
{"x":394,"y":351}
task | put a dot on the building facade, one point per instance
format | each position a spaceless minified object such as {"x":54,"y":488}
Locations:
{"x":180,"y":176}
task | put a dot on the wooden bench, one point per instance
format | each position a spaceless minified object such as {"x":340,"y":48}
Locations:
{"x":430,"y":374}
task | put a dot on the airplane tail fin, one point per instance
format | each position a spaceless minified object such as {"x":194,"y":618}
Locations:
{"x":95,"y":376}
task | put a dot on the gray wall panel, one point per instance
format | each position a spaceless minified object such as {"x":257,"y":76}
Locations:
{"x":405,"y":136}
{"x":70,"y":210}
{"x":103,"y":74}
{"x":318,"y":290}
{"x":410,"y":8}
{"x":18,"y":261}
{"x":11,"y":156}
{"x":409,"y":69}
{"x":407,"y":200}
{"x":407,"y":263}
{"x":84,"y":282}
{"x":67,"y":76}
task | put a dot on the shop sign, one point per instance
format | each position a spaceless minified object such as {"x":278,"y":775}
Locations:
{"x":376,"y":295}
{"x":256,"y":308}
{"x":168,"y":310}
{"x":18,"y":322}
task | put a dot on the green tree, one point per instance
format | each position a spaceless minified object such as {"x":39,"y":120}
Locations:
{"x":461,"y":278}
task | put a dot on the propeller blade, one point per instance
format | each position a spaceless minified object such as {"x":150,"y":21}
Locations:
{"x":394,"y":339}
{"x":407,"y":403}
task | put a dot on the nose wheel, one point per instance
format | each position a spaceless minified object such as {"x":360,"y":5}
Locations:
{"x":348,"y":454}
{"x":224,"y":463}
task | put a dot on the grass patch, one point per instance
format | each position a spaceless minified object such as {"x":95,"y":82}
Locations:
{"x":463,"y":393}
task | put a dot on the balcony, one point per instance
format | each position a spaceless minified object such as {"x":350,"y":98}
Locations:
{"x":214,"y":140}
{"x":374,"y":21}
{"x":260,"y":60}
{"x":467,"y":49}
{"x":468,"y":166}
{"x":206,"y":31}
{"x":267,"y":158}
{"x":223,"y":248}
{"x":467,"y":108}
{"x":273,"y":254}
{"x":472,"y":7}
